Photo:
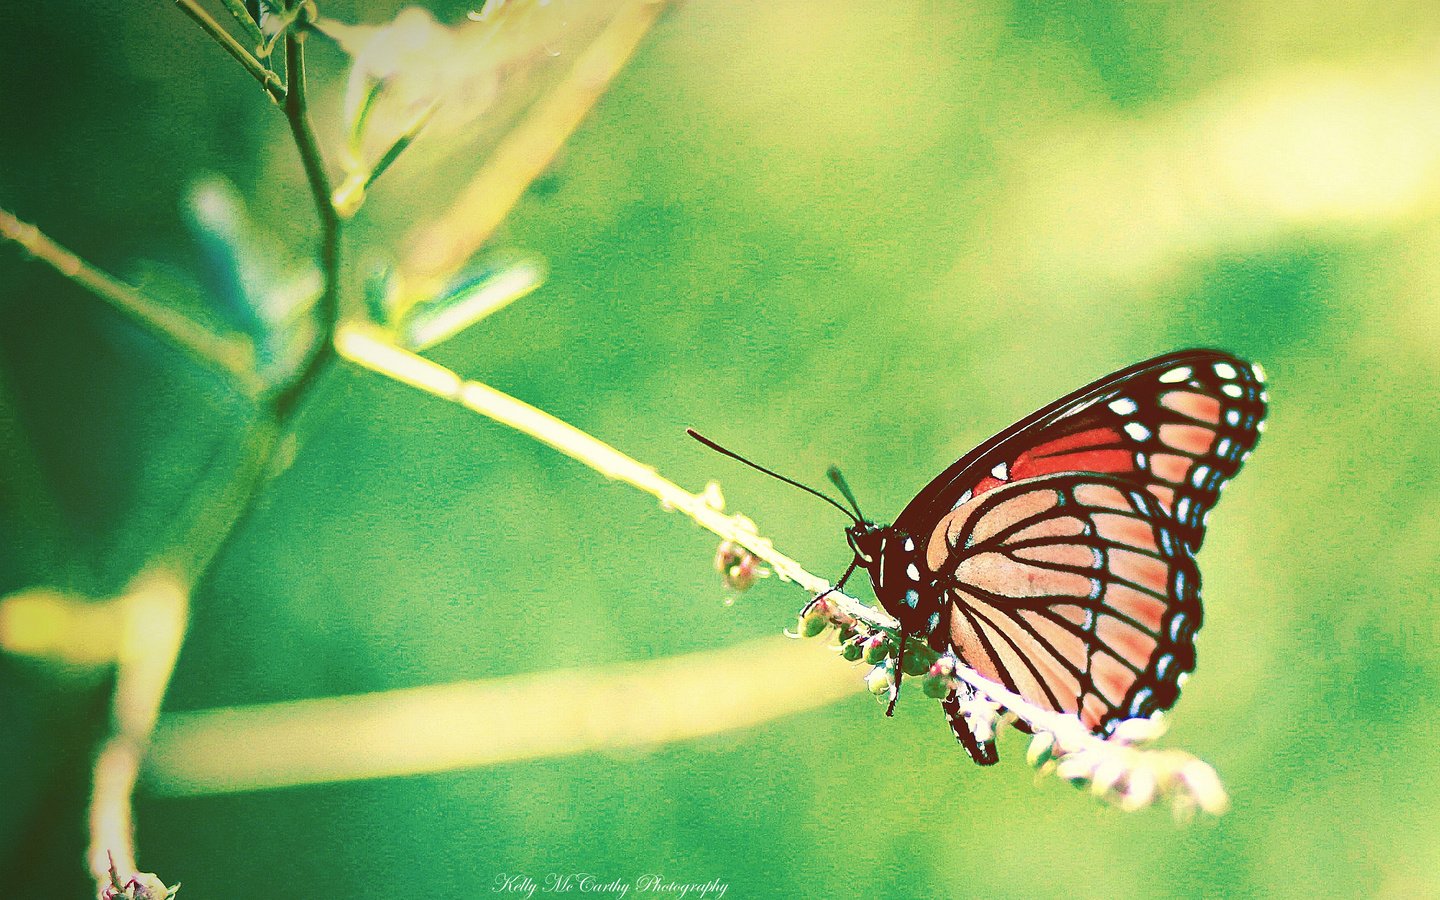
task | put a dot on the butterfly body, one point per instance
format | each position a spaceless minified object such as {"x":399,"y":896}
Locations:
{"x":1057,"y":558}
{"x":904,"y":585}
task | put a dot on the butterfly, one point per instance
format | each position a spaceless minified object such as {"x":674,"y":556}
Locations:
{"x":1057,"y":558}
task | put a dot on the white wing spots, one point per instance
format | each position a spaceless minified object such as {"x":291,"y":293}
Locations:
{"x":1230,"y":389}
{"x":913,"y":572}
{"x":1123,"y":406}
{"x":1182,"y":509}
{"x":1162,"y":665}
{"x":1177,"y":624}
{"x":912,"y":598}
{"x":1175,"y":376}
{"x":1264,"y":396}
{"x":1141,"y":462}
{"x":1225,"y":370}
{"x":1137,"y":431}
{"x":909,"y":545}
{"x":1260,"y":427}
{"x":964,"y":499}
{"x":1181,"y":679}
{"x":1222,"y":449}
{"x":1001,"y":471}
{"x":1232,"y":417}
{"x":1259,"y":372}
{"x":1198,"y":476}
{"x":933,"y":622}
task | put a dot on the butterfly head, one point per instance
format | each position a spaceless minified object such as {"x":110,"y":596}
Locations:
{"x":868,"y":541}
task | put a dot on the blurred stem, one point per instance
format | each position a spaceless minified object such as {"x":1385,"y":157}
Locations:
{"x":351,"y":193}
{"x":24,"y":486}
{"x":231,"y":354}
{"x":219,"y":513}
{"x":439,"y":249}
{"x":602,"y":706}
{"x":241,"y":15}
{"x":268,"y":79}
{"x":160,"y":610}
{"x":328,"y":307}
{"x":154,"y":610}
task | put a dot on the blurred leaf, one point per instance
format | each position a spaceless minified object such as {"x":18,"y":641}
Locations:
{"x":260,"y":287}
{"x":487,"y":288}
{"x":465,"y":70}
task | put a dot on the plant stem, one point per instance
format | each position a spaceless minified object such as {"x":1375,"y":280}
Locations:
{"x":601,"y":706}
{"x":242,"y":18}
{"x":328,"y":307}
{"x":231,"y":354}
{"x":268,"y":79}
{"x":155,"y":609}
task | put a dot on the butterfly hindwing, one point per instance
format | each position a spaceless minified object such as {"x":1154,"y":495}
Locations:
{"x":1074,"y":590}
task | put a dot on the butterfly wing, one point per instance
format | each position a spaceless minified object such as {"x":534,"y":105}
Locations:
{"x":1178,"y":427}
{"x":1181,"y":425}
{"x":1075,"y":590}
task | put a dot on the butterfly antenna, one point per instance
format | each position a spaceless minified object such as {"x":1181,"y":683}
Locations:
{"x":759,"y":468}
{"x":833,"y":473}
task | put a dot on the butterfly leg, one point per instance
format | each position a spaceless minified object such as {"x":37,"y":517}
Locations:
{"x":899,"y":674}
{"x":833,"y":588}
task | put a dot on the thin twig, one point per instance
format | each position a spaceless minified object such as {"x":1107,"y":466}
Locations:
{"x":241,"y":15}
{"x":268,"y":79}
{"x":328,"y":307}
{"x":231,"y":354}
{"x":350,"y":194}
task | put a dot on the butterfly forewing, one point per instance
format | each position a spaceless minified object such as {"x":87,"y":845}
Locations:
{"x":1180,"y":425}
{"x":1074,"y":590}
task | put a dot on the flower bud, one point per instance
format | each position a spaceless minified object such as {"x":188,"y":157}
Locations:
{"x":918,"y":659}
{"x":938,"y":686}
{"x":738,"y":567}
{"x":813,"y":622}
{"x":1076,"y":768}
{"x":1205,"y":787}
{"x":876,"y":647}
{"x":1139,"y":731}
{"x":1042,"y":749}
{"x":878,"y":680}
{"x":1139,"y":789}
{"x":851,"y":651}
{"x":1107,"y":776}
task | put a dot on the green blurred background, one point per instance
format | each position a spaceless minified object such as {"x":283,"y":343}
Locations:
{"x":861,"y":233}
